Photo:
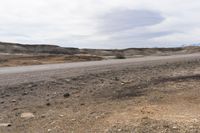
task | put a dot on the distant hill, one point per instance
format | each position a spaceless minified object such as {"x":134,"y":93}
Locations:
{"x":15,"y":48}
{"x":142,"y":51}
{"x":187,"y":45}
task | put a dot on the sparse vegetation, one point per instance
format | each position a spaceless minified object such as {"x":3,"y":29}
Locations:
{"x":120,"y":56}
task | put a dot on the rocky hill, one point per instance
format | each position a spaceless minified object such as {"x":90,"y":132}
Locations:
{"x":142,"y":51}
{"x":14,"y":48}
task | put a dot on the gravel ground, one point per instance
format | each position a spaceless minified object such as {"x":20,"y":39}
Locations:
{"x":144,"y":96}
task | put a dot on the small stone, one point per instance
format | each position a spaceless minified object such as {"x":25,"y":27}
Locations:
{"x":119,"y":130}
{"x":14,"y":100}
{"x":82,"y":104}
{"x":48,"y":104}
{"x":25,"y":93}
{"x":27,"y":115}
{"x":7,"y":95}
{"x":5,"y":124}
{"x":43,"y":116}
{"x":67,"y":80}
{"x":66,"y":95}
{"x":49,"y":130}
{"x":116,"y":78}
{"x":15,"y":109}
{"x":61,"y":115}
{"x":73,"y":119}
{"x":122,"y":83}
{"x":97,"y":117}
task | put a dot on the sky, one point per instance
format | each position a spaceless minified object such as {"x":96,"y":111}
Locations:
{"x":101,"y":23}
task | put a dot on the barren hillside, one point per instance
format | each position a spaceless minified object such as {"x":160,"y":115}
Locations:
{"x":14,"y":48}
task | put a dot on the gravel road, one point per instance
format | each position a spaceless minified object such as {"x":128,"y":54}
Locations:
{"x":25,"y":74}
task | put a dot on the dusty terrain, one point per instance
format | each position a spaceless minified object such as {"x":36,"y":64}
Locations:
{"x":145,"y":95}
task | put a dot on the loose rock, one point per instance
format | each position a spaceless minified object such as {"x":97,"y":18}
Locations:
{"x":27,"y":115}
{"x":5,"y":124}
{"x":25,"y":93}
{"x":14,"y":100}
{"x":66,"y":95}
{"x":48,"y":104}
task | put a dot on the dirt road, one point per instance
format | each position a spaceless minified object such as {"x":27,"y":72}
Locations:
{"x":23,"y":74}
{"x":149,"y":94}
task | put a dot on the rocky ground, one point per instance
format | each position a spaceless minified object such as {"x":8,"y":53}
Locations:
{"x":150,"y":98}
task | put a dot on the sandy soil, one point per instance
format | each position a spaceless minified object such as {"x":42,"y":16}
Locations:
{"x":149,"y":98}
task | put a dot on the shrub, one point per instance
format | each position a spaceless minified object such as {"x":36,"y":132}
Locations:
{"x":120,"y":56}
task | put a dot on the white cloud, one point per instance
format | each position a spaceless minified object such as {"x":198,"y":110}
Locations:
{"x":77,"y":22}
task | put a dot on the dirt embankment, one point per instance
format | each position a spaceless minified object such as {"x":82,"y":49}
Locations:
{"x":147,"y":98}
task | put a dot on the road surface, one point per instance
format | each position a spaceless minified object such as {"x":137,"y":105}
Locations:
{"x":25,"y":74}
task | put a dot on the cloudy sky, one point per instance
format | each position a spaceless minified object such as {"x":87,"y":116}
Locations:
{"x":101,"y":23}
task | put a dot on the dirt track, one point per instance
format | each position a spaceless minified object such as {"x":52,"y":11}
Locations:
{"x":151,"y":94}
